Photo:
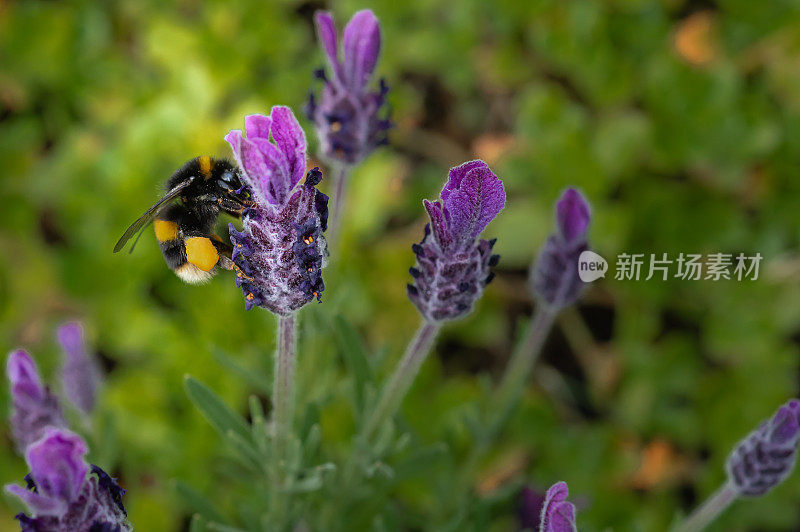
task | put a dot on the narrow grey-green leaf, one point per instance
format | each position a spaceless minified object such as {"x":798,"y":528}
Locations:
{"x":355,"y":357}
{"x":214,"y":409}
{"x":196,"y":502}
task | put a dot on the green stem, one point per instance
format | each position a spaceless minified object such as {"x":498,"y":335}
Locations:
{"x":399,"y":382}
{"x":283,"y":408}
{"x":508,"y":392}
{"x":340,"y":172}
{"x":710,"y":509}
{"x":519,"y":369}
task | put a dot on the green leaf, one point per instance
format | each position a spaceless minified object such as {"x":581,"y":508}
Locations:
{"x":196,"y":502}
{"x":256,"y":379}
{"x":355,"y":357}
{"x":245,"y":450}
{"x":214,"y":409}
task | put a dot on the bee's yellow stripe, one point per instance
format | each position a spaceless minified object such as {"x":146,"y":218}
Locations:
{"x":201,"y":252}
{"x":165,"y":231}
{"x":205,"y":165}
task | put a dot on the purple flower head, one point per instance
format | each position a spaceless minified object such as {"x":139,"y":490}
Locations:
{"x":34,"y":407}
{"x":554,"y":277}
{"x":347,"y":115}
{"x":558,"y":515}
{"x":452,"y":268}
{"x":280,"y":252}
{"x":59,"y":494}
{"x":80,"y":376}
{"x":767,"y":455}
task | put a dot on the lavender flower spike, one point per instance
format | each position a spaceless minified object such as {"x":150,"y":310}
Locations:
{"x":554,"y":277}
{"x":80,"y":376}
{"x":59,"y":494}
{"x":558,"y":515}
{"x":34,"y":407}
{"x":767,"y":455}
{"x":452,"y":268}
{"x":347,"y":115}
{"x":280,"y":252}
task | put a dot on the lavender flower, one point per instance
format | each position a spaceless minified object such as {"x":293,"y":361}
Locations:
{"x":346,"y":117}
{"x":452,"y":269}
{"x":80,"y":376}
{"x":767,"y":455}
{"x":554,"y":277}
{"x":64,"y":493}
{"x":34,"y":407}
{"x":281,"y":251}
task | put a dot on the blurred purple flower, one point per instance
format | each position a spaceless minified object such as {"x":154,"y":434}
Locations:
{"x":59,"y":495}
{"x":80,"y":376}
{"x":529,"y":508}
{"x":767,"y":455}
{"x":34,"y":407}
{"x":346,"y":117}
{"x":554,"y":276}
{"x":452,"y":268}
{"x":558,"y":515}
{"x":280,"y":252}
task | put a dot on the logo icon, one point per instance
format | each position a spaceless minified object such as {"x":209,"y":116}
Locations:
{"x":591,"y":266}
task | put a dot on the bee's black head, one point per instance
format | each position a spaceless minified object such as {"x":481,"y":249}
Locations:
{"x":228,"y":180}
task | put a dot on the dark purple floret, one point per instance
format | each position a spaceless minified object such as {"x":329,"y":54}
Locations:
{"x":453,"y":268}
{"x":767,"y":455}
{"x":280,"y":251}
{"x":554,"y":276}
{"x":35,"y":408}
{"x":62,"y":494}
{"x":349,"y":119}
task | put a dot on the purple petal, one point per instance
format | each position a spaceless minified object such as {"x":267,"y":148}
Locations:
{"x":25,"y":382}
{"x":257,"y":126}
{"x":572,"y":215}
{"x":57,"y":465}
{"x":235,"y":138}
{"x":784,"y":425}
{"x":438,"y":225}
{"x":326,"y":33}
{"x":362,"y":43}
{"x":291,"y":140}
{"x":457,"y":174}
{"x":80,"y":377}
{"x":36,"y":503}
{"x":478,"y":198}
{"x":557,"y":514}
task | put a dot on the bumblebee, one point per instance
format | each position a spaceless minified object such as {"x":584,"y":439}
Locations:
{"x":184,"y":229}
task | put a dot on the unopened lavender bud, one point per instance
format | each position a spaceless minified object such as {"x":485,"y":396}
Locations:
{"x":554,"y":275}
{"x":80,"y":376}
{"x":767,"y":455}
{"x":64,"y":493}
{"x":453,"y":266}
{"x":280,"y":252}
{"x":558,"y":515}
{"x":34,"y":408}
{"x":347,"y":116}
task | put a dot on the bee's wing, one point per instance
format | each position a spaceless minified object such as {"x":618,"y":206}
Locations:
{"x":151,"y":213}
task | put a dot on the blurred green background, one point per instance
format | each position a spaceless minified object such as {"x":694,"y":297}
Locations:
{"x":680,"y":120}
